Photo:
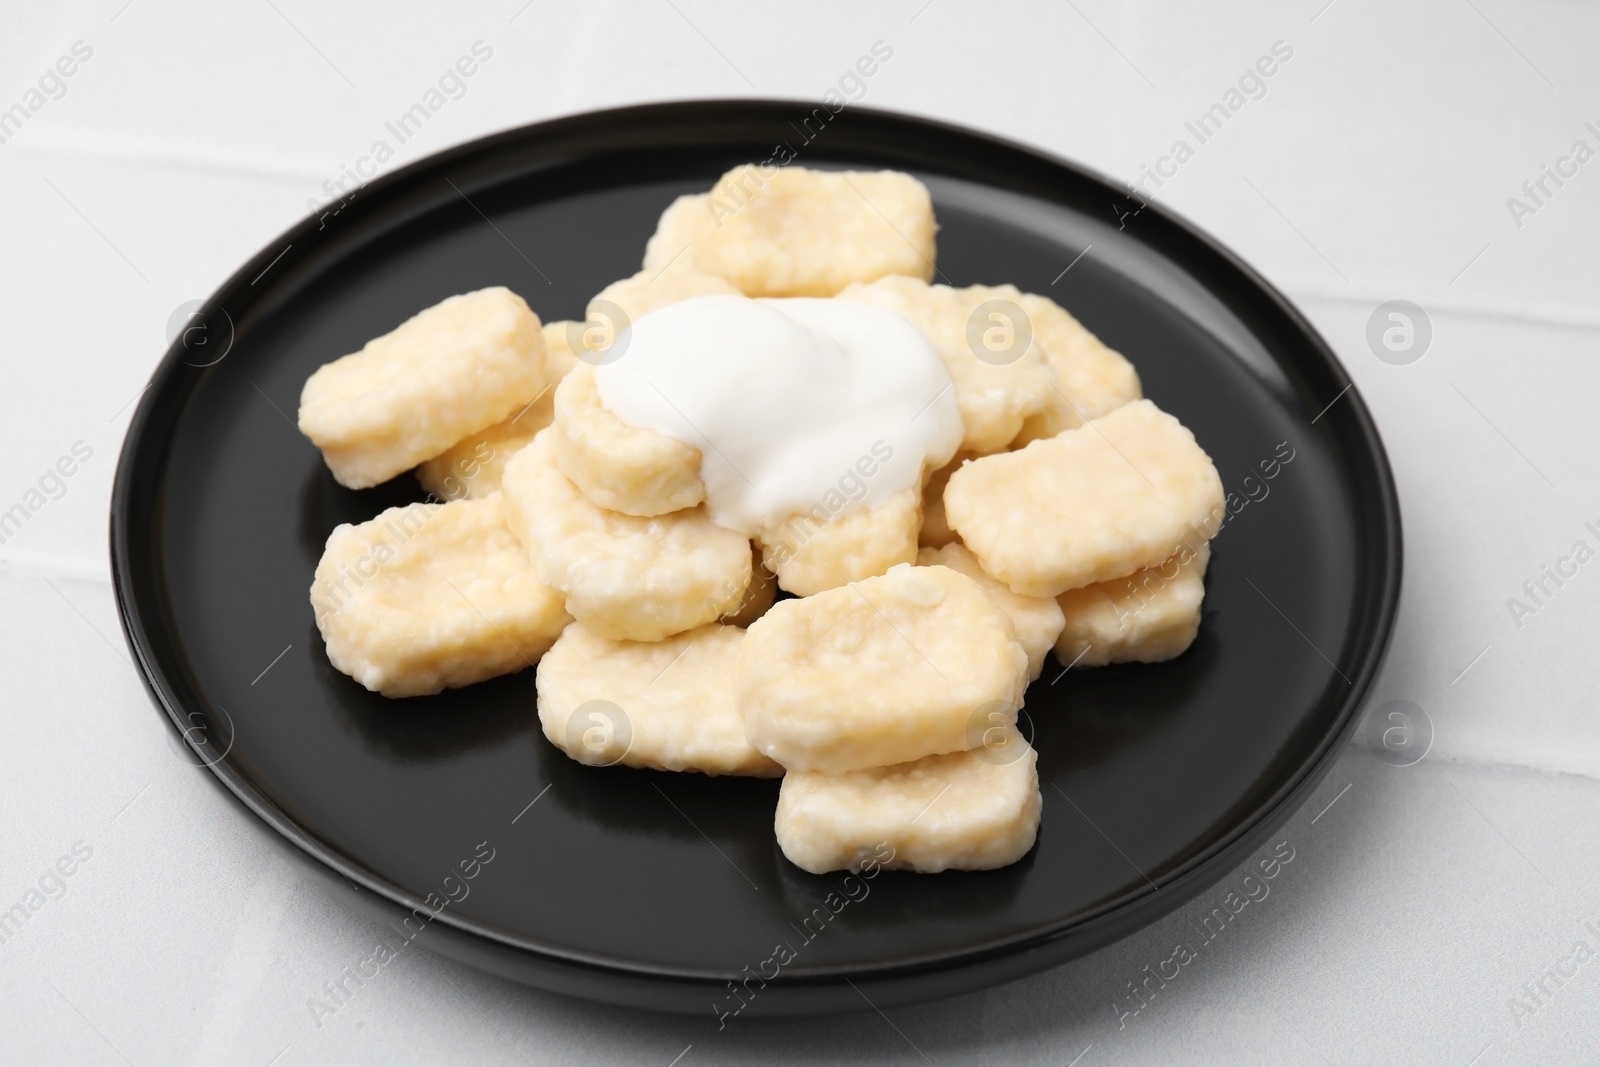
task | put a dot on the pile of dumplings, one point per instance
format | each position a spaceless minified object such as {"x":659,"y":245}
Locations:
{"x":1074,"y":518}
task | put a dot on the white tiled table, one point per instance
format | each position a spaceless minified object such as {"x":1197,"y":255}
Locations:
{"x":1422,"y":908}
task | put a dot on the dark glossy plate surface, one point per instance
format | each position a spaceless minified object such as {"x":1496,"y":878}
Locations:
{"x":656,"y":889}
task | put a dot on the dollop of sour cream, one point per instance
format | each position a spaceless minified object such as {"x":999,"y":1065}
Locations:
{"x":793,"y":403}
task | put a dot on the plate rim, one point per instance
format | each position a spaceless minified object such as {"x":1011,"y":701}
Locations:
{"x":146,"y":444}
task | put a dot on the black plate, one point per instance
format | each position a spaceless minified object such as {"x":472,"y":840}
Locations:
{"x":655,"y":889}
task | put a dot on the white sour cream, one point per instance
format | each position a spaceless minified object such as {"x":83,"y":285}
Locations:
{"x":793,"y":403}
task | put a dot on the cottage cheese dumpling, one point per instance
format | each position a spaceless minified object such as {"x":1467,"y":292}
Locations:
{"x":459,"y":367}
{"x":473,"y":467}
{"x":813,"y":553}
{"x":559,"y":358}
{"x":1094,"y":380}
{"x":969,"y":811}
{"x":432,"y":596}
{"x":1145,"y":617}
{"x":638,"y":295}
{"x":674,"y":232}
{"x":882,"y":671}
{"x":742,"y":609}
{"x":1036,"y":620}
{"x":996,"y":393}
{"x":795,"y":232}
{"x":1097,"y":502}
{"x":935,"y":531}
{"x":624,"y":577}
{"x":758,"y":596}
{"x":625,"y":468}
{"x":662,"y":704}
